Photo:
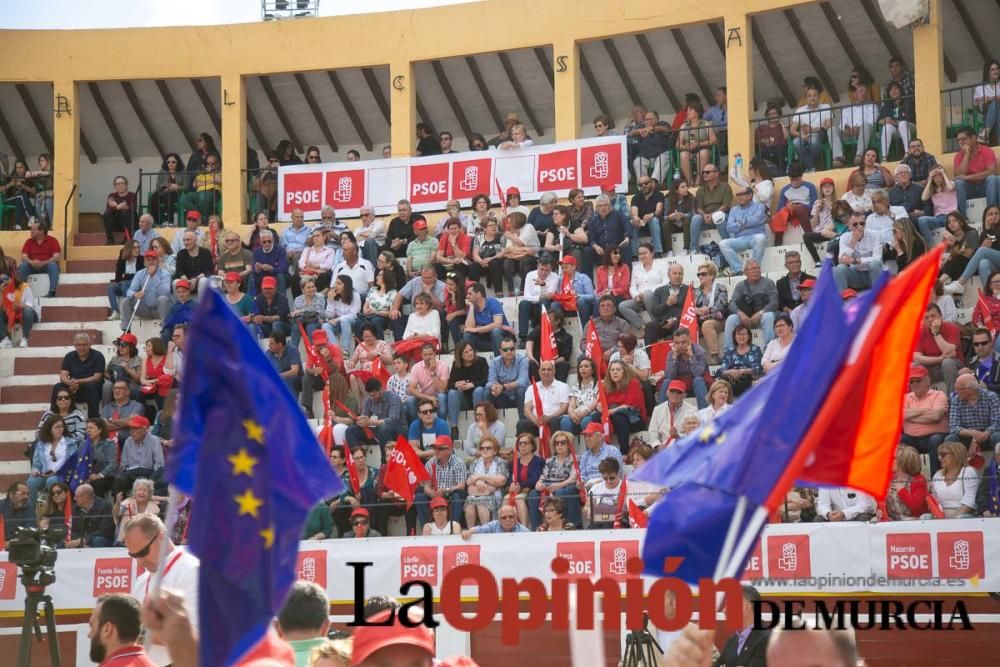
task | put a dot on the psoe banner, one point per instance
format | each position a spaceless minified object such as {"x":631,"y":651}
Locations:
{"x":431,"y":181}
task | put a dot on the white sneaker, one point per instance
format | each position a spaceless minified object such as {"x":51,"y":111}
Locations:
{"x":23,"y":343}
{"x":113,"y":316}
{"x":954,"y":287}
{"x":6,"y":344}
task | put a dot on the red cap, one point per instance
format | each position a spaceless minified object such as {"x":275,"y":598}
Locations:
{"x":369,"y":639}
{"x":608,"y":186}
{"x":439,"y":502}
{"x":568,"y":259}
{"x":193,"y":214}
{"x":320,"y":338}
{"x":848,"y":294}
{"x":359,"y":511}
{"x":151,"y":253}
{"x":808,"y":283}
{"x":443,"y":441}
{"x":594,"y":427}
{"x":677,"y":385}
{"x":269,"y":282}
{"x":138,"y":421}
{"x":128,"y":338}
{"x":232,"y":277}
{"x":825,"y":181}
{"x":918,"y":371}
{"x":512,"y":190}
{"x":183,"y":282}
{"x":420,"y":224}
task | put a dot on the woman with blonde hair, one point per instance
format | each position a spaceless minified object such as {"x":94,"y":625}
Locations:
{"x":711,"y":306}
{"x":907,"y":498}
{"x":907,"y":243}
{"x":955,"y":484}
{"x":720,"y":399}
{"x":333,"y":653}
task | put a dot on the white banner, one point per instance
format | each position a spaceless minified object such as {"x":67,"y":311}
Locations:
{"x":428,"y":183}
{"x":946,"y":556}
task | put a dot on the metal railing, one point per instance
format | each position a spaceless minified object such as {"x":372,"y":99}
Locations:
{"x":271,"y":10}
{"x":168,"y":206}
{"x":963,"y":107}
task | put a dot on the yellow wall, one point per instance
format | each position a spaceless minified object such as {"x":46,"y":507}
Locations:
{"x":398,"y":39}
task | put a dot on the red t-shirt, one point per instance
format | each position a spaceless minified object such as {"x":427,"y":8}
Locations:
{"x":927,"y":346}
{"x":464,"y":242}
{"x":982,"y":160}
{"x":39,"y":251}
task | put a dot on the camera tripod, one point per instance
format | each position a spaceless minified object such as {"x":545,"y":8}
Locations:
{"x":641,"y":647}
{"x":36,"y":595}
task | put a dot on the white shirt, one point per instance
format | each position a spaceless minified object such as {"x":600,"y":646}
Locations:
{"x":859,"y":115}
{"x":374,"y":231}
{"x":660,"y":421}
{"x":706,"y":415}
{"x":180,"y":574}
{"x":961,"y":492}
{"x":869,"y":247}
{"x":775,"y":352}
{"x":985,"y":91}
{"x":643,"y":280}
{"x":814,"y":118}
{"x":837,"y":499}
{"x":427,"y":325}
{"x":553,"y":397}
{"x":601,"y":494}
{"x":362,"y":274}
{"x":881,"y":225}
{"x":533,"y":292}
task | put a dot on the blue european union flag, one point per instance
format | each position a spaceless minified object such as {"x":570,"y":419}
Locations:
{"x":244,"y":451}
{"x":78,"y":466}
{"x":744,"y":452}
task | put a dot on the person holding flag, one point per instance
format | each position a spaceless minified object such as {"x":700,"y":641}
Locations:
{"x":549,"y":341}
{"x":395,"y":487}
{"x":545,"y":403}
{"x":575,"y":293}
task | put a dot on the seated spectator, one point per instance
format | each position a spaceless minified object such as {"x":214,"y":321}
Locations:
{"x":646,"y":276}
{"x":522,"y":248}
{"x":485,"y":323}
{"x":974,"y":169}
{"x":319,"y":523}
{"x":881,"y":219}
{"x":940,"y":192}
{"x":907,"y":497}
{"x":665,"y":311}
{"x":424,"y":322}
{"x":612,"y":278}
{"x":271,"y":312}
{"x":125,"y":270}
{"x":843,"y":504}
{"x":234,"y":258}
{"x":307,"y":310}
{"x":939,"y":348}
{"x":468,"y":371}
{"x":908,"y":245}
{"x":370,"y":234}
{"x":860,"y":259}
{"x":596,"y":451}
{"x":440,"y":523}
{"x":795,"y":203}
{"x":554,"y":515}
{"x":742,"y":362}
{"x":456,"y":307}
{"x":270,"y":261}
{"x":343,"y":305}
{"x":754,"y":303}
{"x":647,"y":212}
{"x":360,"y":525}
{"x":720,"y":399}
{"x":540,"y":219}
{"x":93,"y":523}
{"x":687,"y":363}
{"x":809,"y":129}
{"x":559,"y":479}
{"x":745,"y":226}
{"x":427,"y":428}
{"x":154,"y":381}
{"x":563,"y":345}
{"x":582,"y":407}
{"x":82,"y":373}
{"x":425,"y":283}
{"x":554,"y":401}
{"x":19,"y":193}
{"x":118,"y":412}
{"x":166,"y":254}
{"x":798,"y":314}
{"x":984,"y":363}
{"x":194,"y":263}
{"x":776,"y":351}
{"x":962,"y":241}
{"x":422,"y":250}
{"x":361,"y":364}
{"x":286,"y":361}
{"x":120,"y":212}
{"x":858,"y":196}
{"x":429,"y":382}
{"x":539,"y":284}
{"x":925,"y":415}
{"x":488,"y":258}
{"x":788,"y":285}
{"x":391,"y":504}
{"x":518,"y":139}
{"x":360,"y":270}
{"x":381,"y":413}
{"x":316,"y":262}
{"x":907,"y":194}
{"x":141,"y":501}
{"x":600,"y":510}
{"x":507,"y":379}
{"x":16,"y":511}
{"x":973,"y":415}
{"x":148,"y":297}
{"x":606,"y":229}
{"x":487,"y":477}
{"x":62,"y":405}
{"x":608,"y":326}
{"x":921,"y":163}
{"x":454,"y":249}
{"x":104,"y":459}
{"x":51,"y":454}
{"x":636,"y":360}
{"x":694,"y":143}
{"x":238,"y":300}
{"x":986,"y":259}
{"x":858,"y":121}
{"x":711,"y":206}
{"x":799,"y":505}
{"x":711,"y":306}
{"x":955,"y":484}
{"x":53,"y":511}
{"x":22,"y":310}
{"x":376,"y":312}
{"x":652,"y":151}
{"x":401,"y":228}
{"x":896,"y":118}
{"x":667,"y":424}
{"x":399,"y":381}
{"x":771,"y":138}
{"x":506,"y":522}
{"x":447,"y":480}
{"x":486,"y":422}
{"x":364,"y":497}
{"x":205,"y":194}
{"x":626,"y":403}
{"x":40,"y":254}
{"x":824,"y":219}
{"x":141,"y":457}
{"x":261,"y":224}
{"x":526,"y":469}
{"x":985,"y":97}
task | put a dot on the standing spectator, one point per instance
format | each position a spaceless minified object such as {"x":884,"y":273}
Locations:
{"x":427,"y":142}
{"x":120,"y":212}
{"x":975,"y":169}
{"x":40,"y":254}
{"x":754,"y":303}
{"x":712,"y":202}
{"x":19,"y":193}
{"x":83,"y":372}
{"x":771,"y":138}
{"x":858,"y":121}
{"x":745,"y":226}
{"x":925,"y":415}
{"x":652,"y":157}
{"x":901,"y":76}
{"x":170,"y":183}
{"x":694,"y":142}
{"x":206,"y":188}
{"x":488,"y":259}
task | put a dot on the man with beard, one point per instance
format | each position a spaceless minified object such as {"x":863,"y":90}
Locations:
{"x":114,"y":633}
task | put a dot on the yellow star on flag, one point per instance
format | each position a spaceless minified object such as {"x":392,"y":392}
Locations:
{"x":248,"y":503}
{"x":242,"y":462}
{"x":707,"y":433}
{"x":721,"y":438}
{"x":254,"y":431}
{"x":268,"y":535}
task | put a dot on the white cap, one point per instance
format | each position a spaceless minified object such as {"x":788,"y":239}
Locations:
{"x":718,"y":217}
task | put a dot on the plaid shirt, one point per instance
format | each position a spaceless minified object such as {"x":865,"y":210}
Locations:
{"x":389,"y":409}
{"x":921,"y":168}
{"x":589,"y":461}
{"x":450,"y":474}
{"x":983,"y":416}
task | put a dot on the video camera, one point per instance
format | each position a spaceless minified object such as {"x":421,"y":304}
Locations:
{"x":34,"y":551}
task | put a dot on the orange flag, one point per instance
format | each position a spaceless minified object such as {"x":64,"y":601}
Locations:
{"x":546,"y":341}
{"x":689,"y":320}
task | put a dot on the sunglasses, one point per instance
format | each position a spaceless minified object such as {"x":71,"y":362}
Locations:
{"x":980,"y":343}
{"x":192,"y":219}
{"x":143,"y":552}
{"x":702,"y":274}
{"x":708,"y":171}
{"x":857,"y":224}
{"x":506,"y":349}
{"x":360,"y":522}
{"x":426,"y":412}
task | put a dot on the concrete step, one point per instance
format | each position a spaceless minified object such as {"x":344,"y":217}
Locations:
{"x":74,"y":313}
{"x":22,"y":420}
{"x":12,"y":451}
{"x":44,"y":337}
{"x":37,"y":365}
{"x":95,"y":238}
{"x":86,"y":278}
{"x":97,"y":288}
{"x":33,"y":393}
{"x":90,"y":265}
{"x":92,"y":223}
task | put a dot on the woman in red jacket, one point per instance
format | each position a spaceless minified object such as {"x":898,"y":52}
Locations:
{"x":613,"y":277}
{"x":907,"y":498}
{"x":626,"y":404}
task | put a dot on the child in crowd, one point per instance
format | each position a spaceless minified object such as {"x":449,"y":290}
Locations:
{"x":399,"y":383}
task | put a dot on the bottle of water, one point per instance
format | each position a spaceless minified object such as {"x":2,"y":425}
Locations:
{"x":738,"y":165}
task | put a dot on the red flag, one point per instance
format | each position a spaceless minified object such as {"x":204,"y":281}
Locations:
{"x":404,"y":470}
{"x":312,"y":355}
{"x":658,"y":354}
{"x":592,"y":349}
{"x":861,"y":419}
{"x":547,"y":341}
{"x":689,"y":319}
{"x":579,"y":478}
{"x":68,"y":516}
{"x":935,"y":507}
{"x":380,"y":371}
{"x":982,"y":314}
{"x":326,"y":438}
{"x":620,"y":509}
{"x":515,"y":479}
{"x":3,"y":533}
{"x":501,"y":196}
{"x":350,"y":413}
{"x":639,"y":518}
{"x":602,"y":398}
{"x":544,"y":431}
{"x":213,"y":245}
{"x":566,"y":296}
{"x":352,"y":471}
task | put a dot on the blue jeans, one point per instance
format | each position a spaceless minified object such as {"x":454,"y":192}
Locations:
{"x":766,"y":324}
{"x":984,"y":260}
{"x":456,"y":500}
{"x":485,"y":342}
{"x":927,"y":224}
{"x":507,"y":399}
{"x":990,"y":188}
{"x":342,"y":331}
{"x":457,"y":401}
{"x":655,"y":237}
{"x":732,"y":247}
{"x":810,"y":149}
{"x":566,"y":424}
{"x":569,"y":494}
{"x":697,"y":222}
{"x":584,"y":308}
{"x":35,"y":485}
{"x":28,"y":319}
{"x":849,"y":276}
{"x":116,"y":291}
{"x":52,"y":269}
{"x":411,"y":406}
{"x":698,"y":389}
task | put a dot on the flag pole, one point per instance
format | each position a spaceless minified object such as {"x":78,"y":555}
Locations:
{"x":757,"y":520}
{"x":727,"y":546}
